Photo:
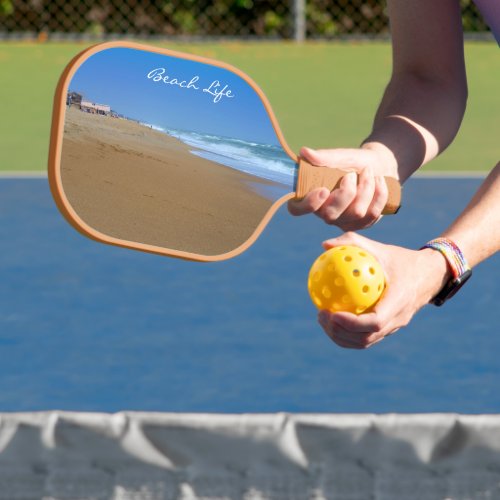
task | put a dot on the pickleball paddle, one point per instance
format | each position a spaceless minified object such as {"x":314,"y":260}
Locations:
{"x":172,"y":153}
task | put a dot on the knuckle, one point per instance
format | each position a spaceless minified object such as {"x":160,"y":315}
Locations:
{"x":374,"y":213}
{"x":364,"y":344}
{"x":358,"y":211}
{"x":366,"y":181}
{"x":330,"y":216}
{"x":332,"y":221}
{"x":349,"y":190}
{"x":378,"y":325}
{"x":370,"y":340}
{"x":382,"y":187}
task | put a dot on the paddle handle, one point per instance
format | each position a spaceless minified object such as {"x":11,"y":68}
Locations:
{"x":311,"y":177}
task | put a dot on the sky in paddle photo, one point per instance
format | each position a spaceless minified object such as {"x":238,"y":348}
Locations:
{"x":173,"y":93}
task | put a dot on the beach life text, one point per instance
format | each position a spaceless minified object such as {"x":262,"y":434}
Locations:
{"x":216,"y":89}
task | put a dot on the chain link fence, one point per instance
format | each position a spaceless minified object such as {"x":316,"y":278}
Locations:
{"x":284,"y":19}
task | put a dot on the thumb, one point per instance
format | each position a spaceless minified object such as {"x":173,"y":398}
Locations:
{"x":349,"y":238}
{"x":335,"y":158}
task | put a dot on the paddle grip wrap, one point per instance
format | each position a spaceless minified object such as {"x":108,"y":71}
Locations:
{"x":311,"y":177}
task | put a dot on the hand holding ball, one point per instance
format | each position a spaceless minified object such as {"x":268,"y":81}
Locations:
{"x":346,"y":278}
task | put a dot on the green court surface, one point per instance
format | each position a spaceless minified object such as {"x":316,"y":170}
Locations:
{"x":324,"y":95}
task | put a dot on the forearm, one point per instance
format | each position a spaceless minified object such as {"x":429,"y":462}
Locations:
{"x":416,"y":120}
{"x":424,"y":103}
{"x":477,"y":230}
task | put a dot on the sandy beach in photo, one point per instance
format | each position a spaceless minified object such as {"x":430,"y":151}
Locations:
{"x":134,"y":183}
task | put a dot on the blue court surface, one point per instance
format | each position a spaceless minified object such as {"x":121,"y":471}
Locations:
{"x":90,"y":327}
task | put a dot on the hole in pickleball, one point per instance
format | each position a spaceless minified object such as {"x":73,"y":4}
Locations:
{"x":348,"y":258}
{"x":317,"y":276}
{"x":360,"y":309}
{"x":372,"y":270}
{"x":339,"y":281}
{"x":336,"y":306}
{"x":327,"y":293}
{"x":346,"y":299}
{"x":366,"y":289}
{"x":317,"y":300}
{"x":356,"y":273}
{"x":379,"y":287}
{"x":330,"y":268}
{"x":363,"y":254}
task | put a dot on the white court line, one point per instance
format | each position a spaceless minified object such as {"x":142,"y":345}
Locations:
{"x":453,"y":174}
{"x":32,"y":174}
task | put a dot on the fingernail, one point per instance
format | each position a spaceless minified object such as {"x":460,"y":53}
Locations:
{"x":324,"y":194}
{"x":327,"y":244}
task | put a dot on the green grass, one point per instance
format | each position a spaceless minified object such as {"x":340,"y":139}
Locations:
{"x":324,"y":95}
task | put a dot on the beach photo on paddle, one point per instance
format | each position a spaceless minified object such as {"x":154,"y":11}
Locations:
{"x":172,"y":153}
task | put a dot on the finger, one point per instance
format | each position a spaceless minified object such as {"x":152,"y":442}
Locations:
{"x":345,"y":344}
{"x":348,"y":338}
{"x":384,"y":319}
{"x":353,"y":341}
{"x":337,"y":158}
{"x":311,"y":203}
{"x":340,"y":199}
{"x":358,"y":209}
{"x":348,"y":238}
{"x":380,"y":197}
{"x":362,"y":340}
{"x":356,"y":216}
{"x":364,"y":324}
{"x":341,"y":340}
{"x":339,"y":335}
{"x":366,"y":209}
{"x":314,"y":156}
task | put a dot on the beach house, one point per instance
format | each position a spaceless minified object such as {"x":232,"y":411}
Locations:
{"x":95,"y":108}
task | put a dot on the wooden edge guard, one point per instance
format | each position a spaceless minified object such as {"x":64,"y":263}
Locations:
{"x":311,"y":177}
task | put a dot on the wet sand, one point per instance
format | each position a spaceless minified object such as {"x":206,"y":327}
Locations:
{"x":137,"y":184}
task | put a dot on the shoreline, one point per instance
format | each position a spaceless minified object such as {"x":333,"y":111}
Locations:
{"x":135,"y":183}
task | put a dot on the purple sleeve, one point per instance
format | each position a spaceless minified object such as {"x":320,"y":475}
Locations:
{"x":490,"y":9}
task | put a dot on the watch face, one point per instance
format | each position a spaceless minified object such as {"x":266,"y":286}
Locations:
{"x":451,"y":288}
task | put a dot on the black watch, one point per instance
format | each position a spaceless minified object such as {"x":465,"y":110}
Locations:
{"x":451,"y":288}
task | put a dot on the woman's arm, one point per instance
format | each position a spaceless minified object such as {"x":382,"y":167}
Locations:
{"x":419,"y":115}
{"x":477,"y":230}
{"x":424,"y":103}
{"x":415,"y":277}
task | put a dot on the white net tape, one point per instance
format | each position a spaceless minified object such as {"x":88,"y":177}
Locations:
{"x":155,"y":456}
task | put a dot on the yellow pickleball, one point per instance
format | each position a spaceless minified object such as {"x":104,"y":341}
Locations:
{"x":346,"y":278}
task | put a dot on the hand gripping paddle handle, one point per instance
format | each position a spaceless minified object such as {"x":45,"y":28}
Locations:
{"x":311,"y":177}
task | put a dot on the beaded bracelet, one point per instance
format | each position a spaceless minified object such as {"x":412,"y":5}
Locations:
{"x":452,"y":254}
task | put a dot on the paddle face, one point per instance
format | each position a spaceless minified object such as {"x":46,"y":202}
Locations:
{"x":165,"y":152}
